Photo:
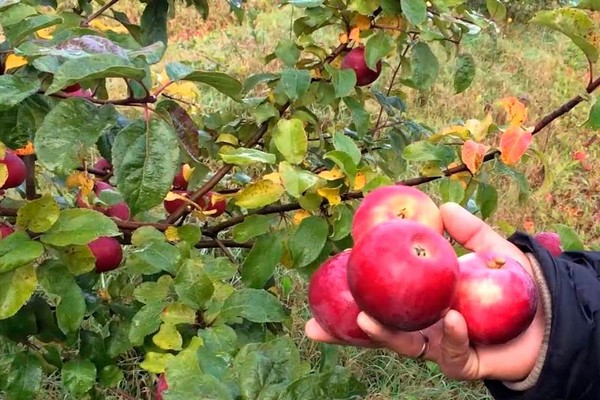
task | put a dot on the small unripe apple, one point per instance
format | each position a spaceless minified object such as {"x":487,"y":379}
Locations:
{"x":5,"y":230}
{"x":17,"y":171}
{"x":161,"y":386}
{"x":403,"y":274}
{"x":173,"y":205}
{"x":108,"y":253}
{"x":496,"y":296}
{"x":217,"y":208}
{"x":355,"y":60}
{"x":103,"y":165}
{"x":395,"y":202}
{"x":550,"y":241}
{"x":331,"y":302}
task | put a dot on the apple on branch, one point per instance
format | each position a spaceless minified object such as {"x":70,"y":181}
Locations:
{"x":5,"y":230}
{"x":331,"y":302}
{"x":395,"y":202}
{"x":496,"y":296}
{"x":108,"y":253}
{"x":16,"y":169}
{"x":355,"y":60}
{"x":403,"y":274}
{"x":119,"y":210}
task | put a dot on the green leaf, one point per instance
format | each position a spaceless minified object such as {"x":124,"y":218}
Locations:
{"x":425,"y":151}
{"x":146,"y":321}
{"x":377,"y":47}
{"x":56,"y":280}
{"x":78,"y":259}
{"x":17,"y":250}
{"x":244,"y":156}
{"x":342,"y":222}
{"x":78,"y":376}
{"x":295,"y":180}
{"x":94,"y":67}
{"x":178,"y":313}
{"x":251,"y":227}
{"x":308,"y":240}
{"x":360,"y":117}
{"x":193,"y":285}
{"x":295,"y":83}
{"x":15,"y":89}
{"x":344,"y":80}
{"x":156,"y":256}
{"x":38,"y":215}
{"x":110,"y":376}
{"x":20,"y":30}
{"x":573,"y":23}
{"x":145,"y":158}
{"x":593,"y":120}
{"x":25,"y":379}
{"x":79,"y":226}
{"x":156,"y":362}
{"x":288,"y":52}
{"x":153,"y":23}
{"x":451,"y":190}
{"x":496,"y":9}
{"x":291,"y":140}
{"x":464,"y":72}
{"x":69,"y":130}
{"x":259,"y":194}
{"x":486,"y":199}
{"x":7,"y":3}
{"x":16,"y":287}
{"x":344,"y":161}
{"x":414,"y":10}
{"x":424,"y":66}
{"x":336,"y":384}
{"x":151,"y":292}
{"x":219,"y":268}
{"x":218,"y":80}
{"x":259,"y":265}
{"x":570,"y":240}
{"x":255,"y":305}
{"x":346,"y":145}
{"x":215,"y":356}
{"x":168,"y":338}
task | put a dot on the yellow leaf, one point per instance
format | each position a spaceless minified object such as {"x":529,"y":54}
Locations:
{"x":13,"y":61}
{"x":355,"y":35}
{"x":360,"y":181}
{"x":299,"y":216}
{"x":361,"y":22}
{"x":343,"y":37}
{"x":458,"y":131}
{"x":3,"y":174}
{"x":26,"y":150}
{"x":274,"y":177}
{"x":187,"y":172}
{"x":517,"y":112}
{"x":472,"y":154}
{"x":479,"y":128}
{"x":331,"y":175}
{"x":101,"y":26}
{"x":172,"y":234}
{"x":81,"y":180}
{"x":331,"y":194}
{"x":462,"y":177}
{"x":216,"y":197}
{"x":46,"y":33}
{"x":174,"y":196}
{"x":186,"y":90}
{"x":168,"y":338}
{"x":259,"y":194}
{"x":227,"y":138}
{"x":315,"y":73}
{"x":2,"y":151}
{"x":396,"y":22}
{"x":156,"y":363}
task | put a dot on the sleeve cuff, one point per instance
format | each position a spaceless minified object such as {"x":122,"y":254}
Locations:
{"x":546,"y":303}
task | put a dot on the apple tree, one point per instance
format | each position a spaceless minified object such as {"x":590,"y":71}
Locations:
{"x":136,"y":226}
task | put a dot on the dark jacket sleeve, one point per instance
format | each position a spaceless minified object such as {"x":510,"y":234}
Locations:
{"x":570,"y":367}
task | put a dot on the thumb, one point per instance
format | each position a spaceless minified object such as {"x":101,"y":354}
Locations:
{"x":458,"y":359}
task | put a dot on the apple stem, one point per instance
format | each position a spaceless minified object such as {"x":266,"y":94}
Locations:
{"x":496,"y":263}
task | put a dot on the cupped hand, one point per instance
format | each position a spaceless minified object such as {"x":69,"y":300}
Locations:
{"x":449,"y":344}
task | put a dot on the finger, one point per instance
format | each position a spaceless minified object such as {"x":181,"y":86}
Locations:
{"x":408,"y":344}
{"x":458,"y":359}
{"x":471,"y":232}
{"x":315,"y":332}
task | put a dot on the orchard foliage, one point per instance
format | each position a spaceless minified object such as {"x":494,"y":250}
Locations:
{"x":216,"y":208}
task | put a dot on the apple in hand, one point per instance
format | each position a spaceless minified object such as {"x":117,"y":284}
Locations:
{"x":496,"y":296}
{"x":331,"y":302}
{"x":5,"y":230}
{"x":396,"y":201}
{"x":403,"y":274}
{"x":108,"y":253}
{"x":161,"y":386}
{"x":550,"y":241}
{"x":355,"y":60}
{"x":17,"y":171}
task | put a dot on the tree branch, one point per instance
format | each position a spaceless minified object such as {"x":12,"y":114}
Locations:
{"x":130,"y":101}
{"x":30,"y":192}
{"x":86,"y":22}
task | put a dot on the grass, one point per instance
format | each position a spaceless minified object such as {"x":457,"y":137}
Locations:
{"x":542,"y":68}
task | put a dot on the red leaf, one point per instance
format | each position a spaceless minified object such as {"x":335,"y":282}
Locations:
{"x":472,"y":155}
{"x":514,"y":142}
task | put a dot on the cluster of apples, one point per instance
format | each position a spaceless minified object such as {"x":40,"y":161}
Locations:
{"x":405,"y":274}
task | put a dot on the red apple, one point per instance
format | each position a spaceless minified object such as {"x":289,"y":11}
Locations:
{"x":118,"y":210}
{"x":496,"y":296}
{"x":331,"y":302}
{"x":173,"y":205}
{"x":17,"y":171}
{"x":355,"y":60}
{"x":103,"y":165}
{"x":161,"y":386}
{"x":207,"y":205}
{"x":395,"y":202}
{"x":180,"y":182}
{"x":5,"y":230}
{"x":550,"y":241}
{"x":73,"y":88}
{"x":108,"y":253}
{"x":403,"y":274}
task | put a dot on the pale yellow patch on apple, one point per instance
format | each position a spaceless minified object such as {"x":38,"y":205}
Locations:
{"x":486,"y":291}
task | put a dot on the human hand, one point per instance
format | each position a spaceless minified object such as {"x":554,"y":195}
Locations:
{"x":448,"y":343}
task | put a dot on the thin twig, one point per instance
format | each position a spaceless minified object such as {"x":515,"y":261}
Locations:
{"x":225,"y":250}
{"x":30,"y":192}
{"x":86,"y":22}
